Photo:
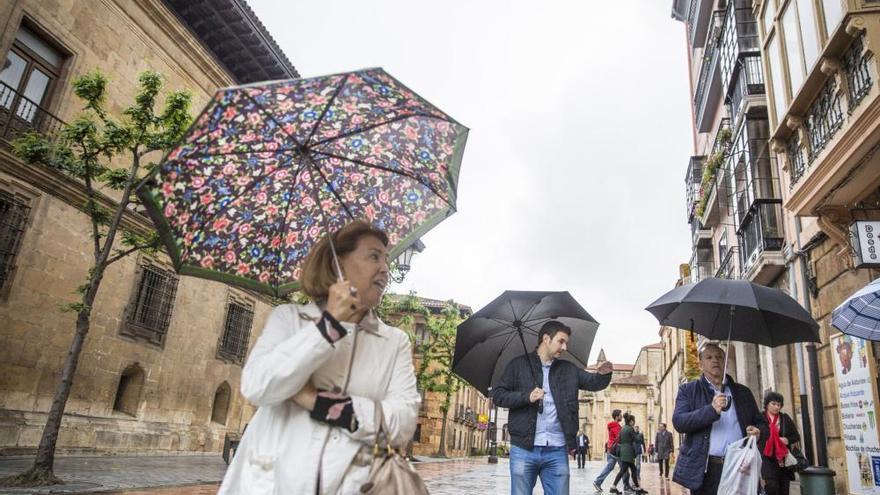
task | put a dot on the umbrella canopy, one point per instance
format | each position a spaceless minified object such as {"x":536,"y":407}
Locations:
{"x":508,"y":327}
{"x":267,"y":169}
{"x":722,"y":309}
{"x":859,"y":315}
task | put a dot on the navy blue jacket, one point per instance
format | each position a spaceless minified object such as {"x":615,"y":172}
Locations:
{"x":565,"y":381}
{"x":694,"y":416}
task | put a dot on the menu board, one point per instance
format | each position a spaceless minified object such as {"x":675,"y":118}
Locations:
{"x":854,"y":370}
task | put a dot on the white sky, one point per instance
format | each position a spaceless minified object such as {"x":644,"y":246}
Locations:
{"x":573,"y":175}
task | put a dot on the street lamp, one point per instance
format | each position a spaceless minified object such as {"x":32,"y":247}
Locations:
{"x":402,"y":263}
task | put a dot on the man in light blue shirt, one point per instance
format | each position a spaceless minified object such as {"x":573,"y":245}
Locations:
{"x":543,"y":419}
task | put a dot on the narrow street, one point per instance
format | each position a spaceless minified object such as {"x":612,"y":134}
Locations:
{"x":197,"y":475}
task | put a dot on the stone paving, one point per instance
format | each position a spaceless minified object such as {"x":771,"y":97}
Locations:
{"x":200,"y":475}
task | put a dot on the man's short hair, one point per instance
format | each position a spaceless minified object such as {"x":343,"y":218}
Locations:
{"x":709,"y":345}
{"x":615,"y":414}
{"x":663,"y":425}
{"x":772,"y":396}
{"x":551,"y":328}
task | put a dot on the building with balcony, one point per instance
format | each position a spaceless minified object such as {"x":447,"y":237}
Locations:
{"x":161,"y":365}
{"x":733,"y":187}
{"x":821,"y":66}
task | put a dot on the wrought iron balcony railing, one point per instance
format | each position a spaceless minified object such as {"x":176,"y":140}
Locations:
{"x":760,"y":232}
{"x":727,"y":268}
{"x":739,"y":37}
{"x":825,"y":115}
{"x":756,"y":191}
{"x":692,"y":184}
{"x":858,"y":76}
{"x":20,"y":115}
{"x":749,"y":82}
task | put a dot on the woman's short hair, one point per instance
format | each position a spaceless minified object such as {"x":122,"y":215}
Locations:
{"x":319,"y":272}
{"x":772,"y":396}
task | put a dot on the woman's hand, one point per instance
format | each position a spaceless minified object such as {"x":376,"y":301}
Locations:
{"x":783,"y":440}
{"x":306,"y":397}
{"x":343,"y":301}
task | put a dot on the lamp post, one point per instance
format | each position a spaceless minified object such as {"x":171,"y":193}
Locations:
{"x":402,"y":263}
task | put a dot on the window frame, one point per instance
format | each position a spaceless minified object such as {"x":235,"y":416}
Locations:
{"x":139,"y":332}
{"x":248,"y":305}
{"x":29,"y":198}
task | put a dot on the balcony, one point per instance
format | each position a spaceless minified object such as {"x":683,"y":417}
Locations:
{"x":739,"y":38}
{"x":702,"y":266}
{"x":757,"y":190}
{"x":727,"y":268}
{"x":761,"y":239}
{"x":747,"y":90}
{"x":700,"y":236}
{"x":692,"y":180}
{"x":829,"y":136}
{"x":714,"y":191}
{"x":699,"y":14}
{"x":19,"y":115}
{"x":708,"y":91}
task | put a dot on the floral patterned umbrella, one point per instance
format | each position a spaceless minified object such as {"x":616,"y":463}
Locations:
{"x":268,"y":168}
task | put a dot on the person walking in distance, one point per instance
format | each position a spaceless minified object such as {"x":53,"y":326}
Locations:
{"x":629,"y":452}
{"x":663,"y":447}
{"x":582,"y":442}
{"x":610,"y":446}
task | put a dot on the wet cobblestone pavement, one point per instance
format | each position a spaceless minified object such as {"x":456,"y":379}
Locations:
{"x":198,"y":475}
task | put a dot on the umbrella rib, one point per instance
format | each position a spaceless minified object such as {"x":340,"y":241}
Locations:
{"x":286,"y":228}
{"x":373,"y":126}
{"x":330,"y":187}
{"x":196,"y":156}
{"x":530,"y":310}
{"x":327,"y":107}
{"x":235,"y":197}
{"x":391,"y":170}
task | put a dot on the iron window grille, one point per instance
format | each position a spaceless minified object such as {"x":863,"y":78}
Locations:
{"x":236,"y":331}
{"x":13,"y":220}
{"x":796,"y":164}
{"x":149,"y":312}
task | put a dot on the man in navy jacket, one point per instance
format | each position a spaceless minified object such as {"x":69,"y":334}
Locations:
{"x":541,"y":437}
{"x":711,"y":421}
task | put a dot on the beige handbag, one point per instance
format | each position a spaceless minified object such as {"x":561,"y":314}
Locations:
{"x":390,"y":473}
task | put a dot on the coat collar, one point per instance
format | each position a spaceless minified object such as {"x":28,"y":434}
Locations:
{"x":370,"y":323}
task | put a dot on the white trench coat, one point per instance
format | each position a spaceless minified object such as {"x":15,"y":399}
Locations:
{"x":280,"y":450}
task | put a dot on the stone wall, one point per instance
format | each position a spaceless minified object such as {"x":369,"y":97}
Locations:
{"x":173,"y":412}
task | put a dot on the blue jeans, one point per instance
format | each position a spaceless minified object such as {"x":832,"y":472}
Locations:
{"x":612,"y":461}
{"x":550,"y":463}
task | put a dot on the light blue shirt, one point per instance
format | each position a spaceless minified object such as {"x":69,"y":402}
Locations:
{"x":548,"y":431}
{"x":725,"y":430}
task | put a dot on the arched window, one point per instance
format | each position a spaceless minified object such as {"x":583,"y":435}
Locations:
{"x":221,"y":403}
{"x":128,"y":392}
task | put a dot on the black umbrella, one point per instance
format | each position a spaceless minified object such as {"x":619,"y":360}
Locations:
{"x":720,"y":309}
{"x":508,"y":327}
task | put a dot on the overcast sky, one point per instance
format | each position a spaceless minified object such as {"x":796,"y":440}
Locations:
{"x":573,"y":174}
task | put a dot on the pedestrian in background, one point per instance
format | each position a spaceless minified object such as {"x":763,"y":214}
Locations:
{"x":663,"y":447}
{"x":582,"y":443}
{"x":629,"y":438}
{"x":783,"y":434}
{"x":611,"y":459}
{"x":640,"y":449}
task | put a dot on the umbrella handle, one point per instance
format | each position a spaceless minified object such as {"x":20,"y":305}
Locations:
{"x":336,"y":265}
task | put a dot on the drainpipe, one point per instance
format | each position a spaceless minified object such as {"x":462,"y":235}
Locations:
{"x":806,"y":428}
{"x":813,"y":363}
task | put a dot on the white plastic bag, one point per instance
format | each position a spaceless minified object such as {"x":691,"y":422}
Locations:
{"x":741,"y":474}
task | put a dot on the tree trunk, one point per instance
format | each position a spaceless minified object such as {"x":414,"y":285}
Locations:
{"x":42,"y":471}
{"x":442,"y":451}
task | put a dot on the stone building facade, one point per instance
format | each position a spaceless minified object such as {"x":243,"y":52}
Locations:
{"x":465,"y":433}
{"x":633,"y":389}
{"x":161,"y":365}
